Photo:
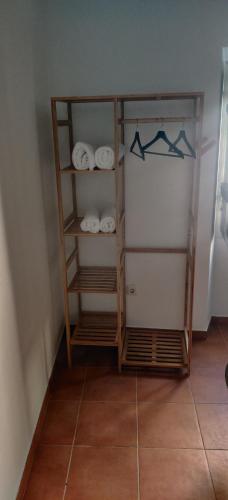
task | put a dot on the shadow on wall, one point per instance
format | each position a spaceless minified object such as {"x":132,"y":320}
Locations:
{"x":48,"y":182}
{"x":30,"y":295}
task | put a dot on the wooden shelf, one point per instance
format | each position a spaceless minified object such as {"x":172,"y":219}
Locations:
{"x":129,"y":97}
{"x":178,"y":250}
{"x":95,"y":328}
{"x":94,"y":280}
{"x":96,"y":170}
{"x":74,"y":230}
{"x":154,"y":348}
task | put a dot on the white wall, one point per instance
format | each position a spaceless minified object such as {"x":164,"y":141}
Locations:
{"x":84,"y":47}
{"x":100,"y":47}
{"x":30,"y":297}
{"x":220,"y":271}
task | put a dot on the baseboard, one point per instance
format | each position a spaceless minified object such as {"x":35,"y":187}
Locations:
{"x":220,"y":320}
{"x":33,"y":447}
{"x":37,"y":433}
{"x":215,"y":321}
{"x":199,"y":334}
{"x":202,"y":334}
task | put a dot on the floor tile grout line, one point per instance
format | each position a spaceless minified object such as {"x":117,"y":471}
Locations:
{"x":112,"y":401}
{"x":197,"y":418}
{"x":132,"y":447}
{"x":74,"y":437}
{"x":225,"y":403}
{"x":205,"y":452}
{"x":171,"y":403}
{"x":131,"y":403}
{"x":102,"y":446}
{"x":137,"y":437}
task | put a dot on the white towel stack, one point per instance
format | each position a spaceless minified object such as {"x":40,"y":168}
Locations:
{"x":108,"y":220}
{"x":106,"y":223}
{"x":105,"y":156}
{"x":91,"y":222}
{"x":84,"y":157}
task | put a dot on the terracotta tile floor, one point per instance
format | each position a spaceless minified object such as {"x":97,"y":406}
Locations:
{"x":135,"y":436}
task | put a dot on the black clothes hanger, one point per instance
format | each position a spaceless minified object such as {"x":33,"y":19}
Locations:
{"x":182,"y":136}
{"x":137,"y":141}
{"x":162,"y":135}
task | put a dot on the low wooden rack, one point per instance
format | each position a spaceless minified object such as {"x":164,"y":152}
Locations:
{"x":154,"y":348}
{"x":96,"y":328}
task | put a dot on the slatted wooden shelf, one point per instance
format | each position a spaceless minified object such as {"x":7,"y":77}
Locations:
{"x":94,"y":280}
{"x":96,"y":170}
{"x":154,"y":348}
{"x":96,"y":328}
{"x":74,"y":230}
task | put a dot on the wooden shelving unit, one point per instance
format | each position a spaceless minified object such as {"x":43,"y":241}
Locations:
{"x":102,"y":328}
{"x":137,"y":347}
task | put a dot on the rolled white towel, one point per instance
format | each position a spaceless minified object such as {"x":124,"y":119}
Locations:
{"x":108,"y":220}
{"x":90,"y":222}
{"x":83,"y":156}
{"x":105,"y":156}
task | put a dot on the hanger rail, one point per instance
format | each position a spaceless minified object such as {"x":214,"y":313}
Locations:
{"x":157,"y":119}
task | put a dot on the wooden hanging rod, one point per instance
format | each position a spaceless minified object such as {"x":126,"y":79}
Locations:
{"x":157,"y":119}
{"x":155,"y":250}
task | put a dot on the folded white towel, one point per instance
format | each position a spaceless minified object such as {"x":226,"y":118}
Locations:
{"x":108,"y":220}
{"x":105,"y":156}
{"x":83,"y":156}
{"x":90,"y":222}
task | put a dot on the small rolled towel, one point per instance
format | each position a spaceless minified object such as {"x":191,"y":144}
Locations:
{"x":105,"y":156}
{"x":90,"y":222}
{"x":108,"y":220}
{"x":83,"y":156}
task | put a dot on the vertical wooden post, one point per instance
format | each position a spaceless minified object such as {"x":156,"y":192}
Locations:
{"x":122,"y":138}
{"x":61,"y":226}
{"x":194,"y":218}
{"x":118,"y":231}
{"x":74,"y":193}
{"x":188,"y":267}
